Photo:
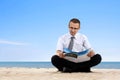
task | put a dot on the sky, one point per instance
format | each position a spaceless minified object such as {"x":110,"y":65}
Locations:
{"x":29,"y":29}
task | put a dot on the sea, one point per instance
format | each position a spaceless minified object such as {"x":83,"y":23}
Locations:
{"x":102,"y":65}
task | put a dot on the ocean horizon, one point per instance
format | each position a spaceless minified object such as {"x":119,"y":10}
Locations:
{"x":102,"y":65}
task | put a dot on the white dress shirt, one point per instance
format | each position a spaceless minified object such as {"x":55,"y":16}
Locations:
{"x":80,"y":42}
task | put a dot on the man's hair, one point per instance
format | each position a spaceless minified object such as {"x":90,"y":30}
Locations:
{"x":75,"y":20}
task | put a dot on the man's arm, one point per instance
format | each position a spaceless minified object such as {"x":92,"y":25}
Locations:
{"x":87,"y":46}
{"x":60,"y":54}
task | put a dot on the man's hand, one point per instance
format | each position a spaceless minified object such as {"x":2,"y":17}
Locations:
{"x":91,"y":53}
{"x":60,"y":54}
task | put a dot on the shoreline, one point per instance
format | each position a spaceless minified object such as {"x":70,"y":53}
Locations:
{"x":52,"y":74}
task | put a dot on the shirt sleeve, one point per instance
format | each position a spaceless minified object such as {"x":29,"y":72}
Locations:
{"x":86,"y":43}
{"x":60,"y":44}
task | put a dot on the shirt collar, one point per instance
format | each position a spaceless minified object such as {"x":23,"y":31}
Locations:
{"x":74,"y":36}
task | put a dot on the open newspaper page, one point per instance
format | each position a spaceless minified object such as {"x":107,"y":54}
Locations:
{"x":76,"y":56}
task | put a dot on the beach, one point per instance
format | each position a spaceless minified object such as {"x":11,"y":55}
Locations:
{"x":53,"y":74}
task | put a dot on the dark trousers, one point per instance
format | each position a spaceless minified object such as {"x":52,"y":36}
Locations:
{"x":60,"y":63}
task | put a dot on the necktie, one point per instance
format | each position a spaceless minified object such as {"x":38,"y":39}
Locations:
{"x":71,"y":43}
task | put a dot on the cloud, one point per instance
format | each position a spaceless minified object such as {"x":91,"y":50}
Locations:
{"x":12,"y":43}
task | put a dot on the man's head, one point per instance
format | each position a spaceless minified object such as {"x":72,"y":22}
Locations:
{"x":74,"y":26}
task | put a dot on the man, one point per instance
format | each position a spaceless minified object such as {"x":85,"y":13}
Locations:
{"x":79,"y":43}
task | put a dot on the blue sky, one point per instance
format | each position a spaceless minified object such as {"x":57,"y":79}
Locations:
{"x":29,"y":29}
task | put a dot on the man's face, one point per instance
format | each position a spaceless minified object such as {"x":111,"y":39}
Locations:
{"x":73,"y":28}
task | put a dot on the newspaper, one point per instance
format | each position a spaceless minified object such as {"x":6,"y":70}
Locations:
{"x":76,"y":56}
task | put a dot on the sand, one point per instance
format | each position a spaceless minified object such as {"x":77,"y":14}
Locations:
{"x":53,"y":74}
